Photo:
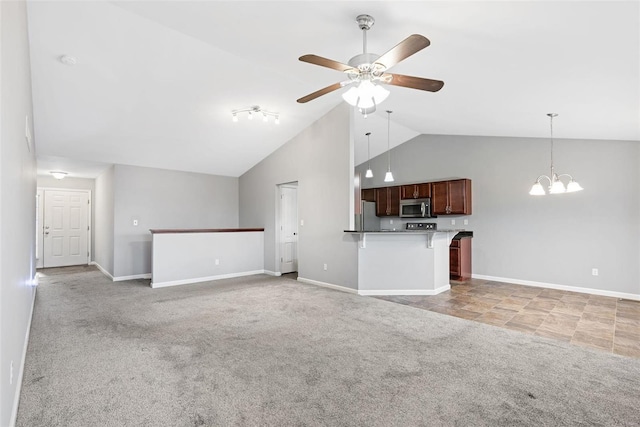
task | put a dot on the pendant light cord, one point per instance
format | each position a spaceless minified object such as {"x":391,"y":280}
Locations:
{"x":368,"y":151}
{"x":389,"y":140}
{"x":551,"y":116}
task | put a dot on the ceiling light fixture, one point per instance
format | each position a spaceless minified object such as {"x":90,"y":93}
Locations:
{"x":388,"y":177}
{"x":555,"y":185}
{"x":68,"y":60}
{"x":257,"y":110}
{"x":369,"y":173}
{"x":58,"y":174}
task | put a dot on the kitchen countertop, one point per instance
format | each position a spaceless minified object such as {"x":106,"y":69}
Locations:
{"x":404,"y":231}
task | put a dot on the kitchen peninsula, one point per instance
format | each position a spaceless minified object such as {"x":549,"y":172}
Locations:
{"x":183,"y":256}
{"x":403,"y":262}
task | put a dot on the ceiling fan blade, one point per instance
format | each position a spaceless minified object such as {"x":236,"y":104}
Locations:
{"x":324,"y":62}
{"x":320,"y":92}
{"x":407,"y":47}
{"x":412,"y":82}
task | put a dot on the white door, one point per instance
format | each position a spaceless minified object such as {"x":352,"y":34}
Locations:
{"x":65,"y":228}
{"x":288,"y":229}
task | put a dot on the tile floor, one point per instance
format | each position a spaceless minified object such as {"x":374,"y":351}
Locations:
{"x":604,"y":323}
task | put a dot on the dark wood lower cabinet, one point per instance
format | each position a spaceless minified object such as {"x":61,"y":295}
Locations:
{"x":460,"y":259}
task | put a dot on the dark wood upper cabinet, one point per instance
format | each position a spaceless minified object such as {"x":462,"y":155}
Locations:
{"x":388,"y":201}
{"x":368,"y":194}
{"x":416,"y":191}
{"x":451,"y":197}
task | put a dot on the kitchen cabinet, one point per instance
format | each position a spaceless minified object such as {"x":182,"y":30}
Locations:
{"x":460,"y":258}
{"x":451,"y":197}
{"x":368,"y":195}
{"x":416,"y":191}
{"x":388,"y":201}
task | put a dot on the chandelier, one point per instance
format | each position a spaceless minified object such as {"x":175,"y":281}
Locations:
{"x":556,"y":186}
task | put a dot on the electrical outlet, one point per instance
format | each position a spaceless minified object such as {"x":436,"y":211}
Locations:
{"x":135,"y":222}
{"x":302,"y":222}
{"x":466,"y":222}
{"x":325,"y":267}
{"x":390,"y":221}
{"x":11,"y":373}
{"x":453,"y":222}
{"x":217,"y":261}
{"x":594,"y":271}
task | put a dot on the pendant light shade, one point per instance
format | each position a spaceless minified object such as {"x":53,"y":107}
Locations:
{"x":369,"y":173}
{"x":388,"y":177}
{"x":556,"y":186}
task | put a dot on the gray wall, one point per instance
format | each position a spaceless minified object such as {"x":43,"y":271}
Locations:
{"x":320,"y":159}
{"x":554,"y":239}
{"x":17,"y":201}
{"x":103,"y":225}
{"x":47,"y":181}
{"x":160,"y":198}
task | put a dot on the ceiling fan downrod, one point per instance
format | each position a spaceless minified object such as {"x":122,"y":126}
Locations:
{"x":365,"y":59}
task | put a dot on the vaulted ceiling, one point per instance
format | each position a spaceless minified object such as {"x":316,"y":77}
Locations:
{"x":155,"y":81}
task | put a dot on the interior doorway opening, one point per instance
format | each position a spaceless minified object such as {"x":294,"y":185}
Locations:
{"x":287,"y":228}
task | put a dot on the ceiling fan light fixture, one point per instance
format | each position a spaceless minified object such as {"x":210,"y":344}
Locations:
{"x":366,"y":95}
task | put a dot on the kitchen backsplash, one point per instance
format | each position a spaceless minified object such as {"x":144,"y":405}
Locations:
{"x":444,"y":223}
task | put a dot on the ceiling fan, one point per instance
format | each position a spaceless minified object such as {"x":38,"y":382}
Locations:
{"x":366,"y":70}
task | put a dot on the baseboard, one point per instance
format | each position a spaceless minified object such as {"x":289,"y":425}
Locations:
{"x":16,"y":398}
{"x":404,"y":292}
{"x":105,"y":272}
{"x":120,"y":278}
{"x":327,"y":285}
{"x":591,"y":291}
{"x":133,"y":277}
{"x":204,"y":279}
{"x":273,"y":273}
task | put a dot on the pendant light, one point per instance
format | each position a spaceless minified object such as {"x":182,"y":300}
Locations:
{"x":556,"y":186}
{"x":369,"y":173}
{"x":388,"y":177}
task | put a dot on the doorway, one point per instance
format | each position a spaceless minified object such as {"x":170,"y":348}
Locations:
{"x":288,"y":227}
{"x":64,"y":223}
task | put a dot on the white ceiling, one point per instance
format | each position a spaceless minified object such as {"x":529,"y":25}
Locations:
{"x":155,"y":81}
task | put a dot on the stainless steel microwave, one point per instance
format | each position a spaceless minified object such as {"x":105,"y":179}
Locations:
{"x":415,"y":208}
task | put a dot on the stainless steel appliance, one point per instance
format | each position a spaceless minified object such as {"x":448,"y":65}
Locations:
{"x":369,"y":220}
{"x":415,"y":208}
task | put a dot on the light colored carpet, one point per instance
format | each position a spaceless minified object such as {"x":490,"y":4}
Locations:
{"x":264,"y":351}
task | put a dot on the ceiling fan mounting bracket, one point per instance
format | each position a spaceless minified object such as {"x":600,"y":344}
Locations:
{"x":365,"y":22}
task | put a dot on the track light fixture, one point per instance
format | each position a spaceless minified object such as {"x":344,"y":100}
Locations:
{"x":256,"y":109}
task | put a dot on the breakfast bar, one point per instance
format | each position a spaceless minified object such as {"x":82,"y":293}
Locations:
{"x":403,"y":262}
{"x":183,"y":256}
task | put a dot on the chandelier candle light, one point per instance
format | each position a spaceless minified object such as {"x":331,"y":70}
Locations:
{"x":255,"y":109}
{"x":555,"y":185}
{"x":369,"y":173}
{"x":388,"y":177}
